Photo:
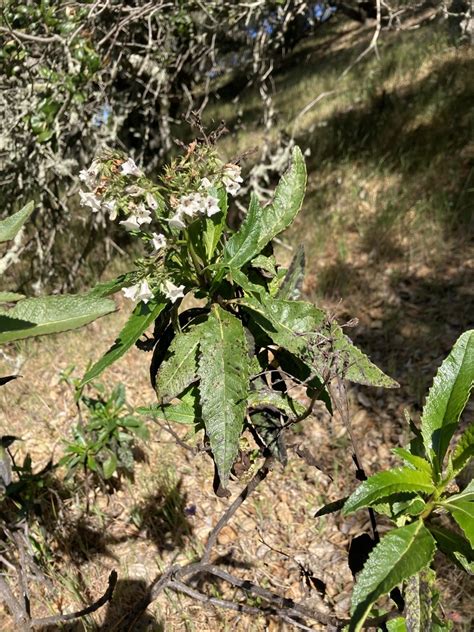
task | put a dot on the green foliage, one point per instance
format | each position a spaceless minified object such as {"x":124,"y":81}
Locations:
{"x":103,"y":445}
{"x":223,"y":371}
{"x":447,"y":398}
{"x":401,"y":553}
{"x":229,"y":365}
{"x":10,"y":227}
{"x":413,"y":496}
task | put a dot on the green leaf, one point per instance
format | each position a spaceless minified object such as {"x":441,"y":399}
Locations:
{"x":185,"y":411}
{"x":10,"y":226}
{"x":179,"y":369}
{"x":418,"y":462}
{"x":447,"y":398}
{"x":10,"y":297}
{"x":213,"y":226}
{"x":107,"y":288}
{"x":454,"y":546}
{"x":463,"y":512}
{"x":400,"y":554}
{"x":109,"y":465}
{"x":329,"y":508}
{"x":223,"y":369}
{"x":396,"y":625}
{"x":464,"y":451}
{"x":386,"y":484}
{"x":51,"y":314}
{"x":267,"y":264}
{"x":268,"y":427}
{"x":266,"y":397}
{"x":290,"y":288}
{"x":466,"y":494}
{"x":302,"y":329}
{"x":262,"y":225}
{"x":141,"y":318}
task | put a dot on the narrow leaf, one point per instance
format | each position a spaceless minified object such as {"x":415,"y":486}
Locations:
{"x":10,"y":226}
{"x":179,"y":369}
{"x":387,"y":483}
{"x":447,"y":398}
{"x":454,"y":546}
{"x":329,"y":508}
{"x":268,"y":398}
{"x":51,"y":314}
{"x":418,"y":462}
{"x":400,"y":554}
{"x":463,"y":512}
{"x":464,"y":451}
{"x":141,"y":318}
{"x":10,"y":297}
{"x":223,"y":369}
{"x":262,"y":225}
{"x":290,"y":288}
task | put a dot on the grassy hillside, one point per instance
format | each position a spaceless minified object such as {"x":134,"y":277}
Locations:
{"x":386,"y":226}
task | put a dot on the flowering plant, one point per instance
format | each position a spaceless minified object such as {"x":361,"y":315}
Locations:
{"x":228,"y":366}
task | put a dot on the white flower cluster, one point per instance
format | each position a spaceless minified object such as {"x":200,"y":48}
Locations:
{"x":193,"y":205}
{"x":142,"y":292}
{"x":231,"y":178}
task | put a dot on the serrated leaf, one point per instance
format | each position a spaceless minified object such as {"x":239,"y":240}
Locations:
{"x":447,"y":398}
{"x":454,"y":546}
{"x":396,"y":625}
{"x":463,"y":512}
{"x":400,"y":554}
{"x":418,"y":462}
{"x":51,"y":314}
{"x":464,"y":450}
{"x":215,"y":225}
{"x":179,"y":369}
{"x":261,"y":225}
{"x":106,"y":288}
{"x":223,"y":369}
{"x":302,"y":329}
{"x":466,"y":494}
{"x":10,"y":297}
{"x":10,"y":226}
{"x":185,"y":411}
{"x":290,"y":288}
{"x":267,"y":264}
{"x":385,"y":484}
{"x":141,"y":318}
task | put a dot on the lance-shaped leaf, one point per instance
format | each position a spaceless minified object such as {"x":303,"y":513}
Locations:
{"x":261,"y":225}
{"x":50,"y":315}
{"x":141,"y":318}
{"x":464,"y":451}
{"x":400,"y":554}
{"x":290,"y":287}
{"x":265,"y":398}
{"x":179,"y":368}
{"x":106,"y":288}
{"x":385,"y":484}
{"x":454,"y":546}
{"x":463,"y":512}
{"x":10,"y":297}
{"x":223,"y":369}
{"x":418,"y":462}
{"x":268,"y":427}
{"x":10,"y":226}
{"x":185,"y":411}
{"x":302,"y":329}
{"x":447,"y":398}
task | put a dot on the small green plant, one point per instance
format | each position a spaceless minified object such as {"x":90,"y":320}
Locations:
{"x":420,"y":498}
{"x":228,"y":366}
{"x":104,"y":445}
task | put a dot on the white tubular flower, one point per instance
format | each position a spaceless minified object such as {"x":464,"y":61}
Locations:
{"x":129,"y":168}
{"x":206,"y":184}
{"x":139,"y":215}
{"x":151,"y":201}
{"x":90,"y":199}
{"x":172,"y":291}
{"x":134,"y":190}
{"x":231,"y":178}
{"x":139,"y":292}
{"x":158,"y":242}
{"x":211,"y":205}
{"x":89,"y":176}
{"x":177,"y":221}
{"x":111,"y":208}
{"x":189,"y":205}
